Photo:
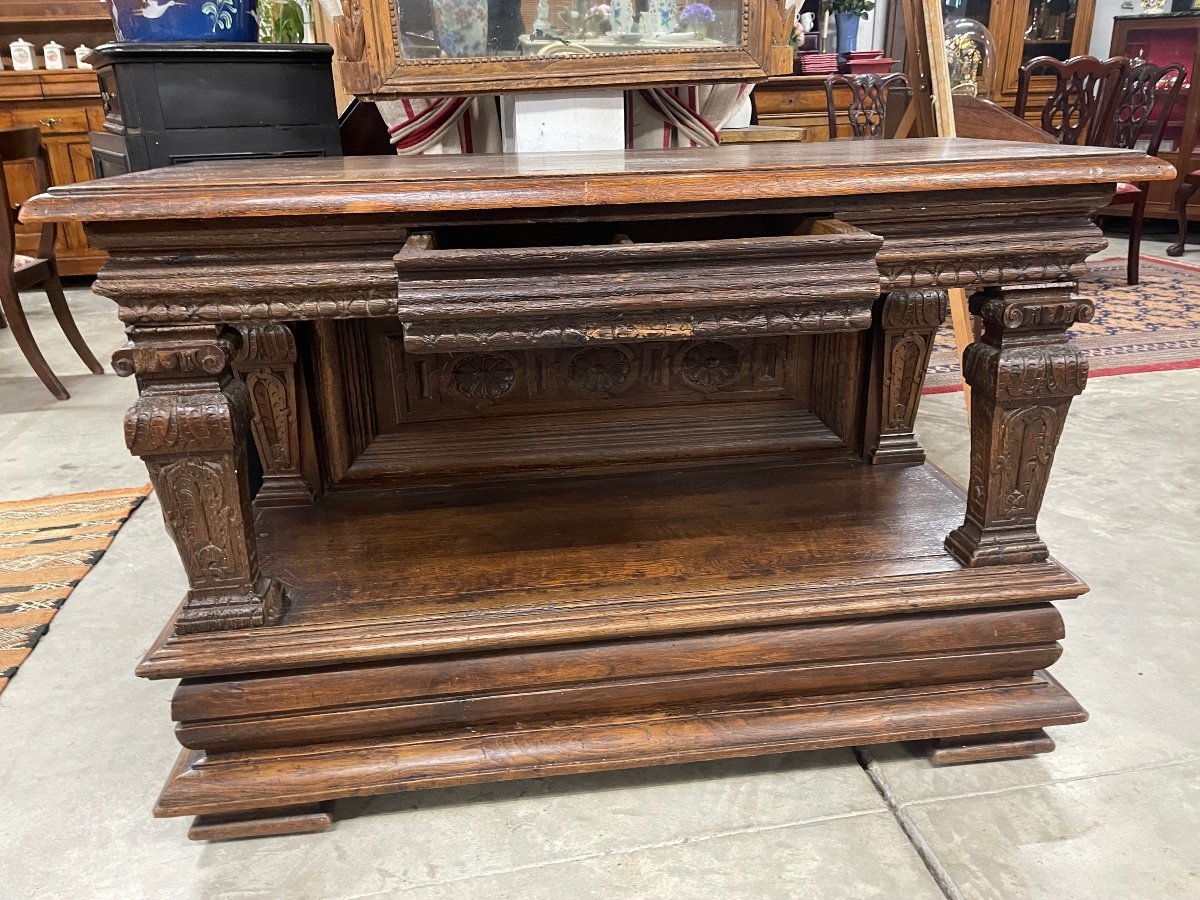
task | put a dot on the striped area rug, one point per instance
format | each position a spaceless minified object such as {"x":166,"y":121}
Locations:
{"x":46,"y":547}
{"x":1151,"y":327}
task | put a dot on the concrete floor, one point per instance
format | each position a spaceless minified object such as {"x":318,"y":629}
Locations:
{"x":1113,"y":813}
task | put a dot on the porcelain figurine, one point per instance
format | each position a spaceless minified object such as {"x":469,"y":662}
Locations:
{"x":541,"y":24}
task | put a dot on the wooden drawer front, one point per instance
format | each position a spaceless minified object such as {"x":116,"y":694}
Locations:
{"x":53,"y":121}
{"x":820,"y":278}
{"x":792,"y":102}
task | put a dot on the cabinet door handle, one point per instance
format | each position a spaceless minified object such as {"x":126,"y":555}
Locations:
{"x":50,"y":123}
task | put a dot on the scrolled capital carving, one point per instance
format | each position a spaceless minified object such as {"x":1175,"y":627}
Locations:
{"x":186,"y":352}
{"x":170,"y":423}
{"x":1051,"y":310}
{"x":272,"y":343}
{"x":920,"y":308}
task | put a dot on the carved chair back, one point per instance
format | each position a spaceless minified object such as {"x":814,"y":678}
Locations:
{"x":1079,"y":108}
{"x":869,"y":98}
{"x":22,"y":146}
{"x":1146,"y":88}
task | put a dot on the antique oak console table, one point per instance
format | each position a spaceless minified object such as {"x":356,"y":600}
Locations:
{"x":583,"y":461}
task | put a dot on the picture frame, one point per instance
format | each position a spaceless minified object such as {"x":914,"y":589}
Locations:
{"x":370,"y":54}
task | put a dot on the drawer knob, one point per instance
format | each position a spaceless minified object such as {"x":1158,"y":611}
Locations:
{"x":50,"y":123}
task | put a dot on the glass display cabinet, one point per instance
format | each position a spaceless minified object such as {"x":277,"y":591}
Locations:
{"x":1163,"y":39}
{"x":388,"y":48}
{"x":1026,"y":29}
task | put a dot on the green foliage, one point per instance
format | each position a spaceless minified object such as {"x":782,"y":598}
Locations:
{"x":859,"y":7}
{"x":280,"y":21}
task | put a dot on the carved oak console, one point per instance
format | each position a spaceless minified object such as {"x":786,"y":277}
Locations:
{"x":586,"y":462}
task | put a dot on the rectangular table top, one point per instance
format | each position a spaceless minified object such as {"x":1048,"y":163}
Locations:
{"x":759,"y":171}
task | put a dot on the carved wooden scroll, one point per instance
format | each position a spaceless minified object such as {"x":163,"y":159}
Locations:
{"x":189,"y":425}
{"x":266,"y":363}
{"x":1025,"y":372}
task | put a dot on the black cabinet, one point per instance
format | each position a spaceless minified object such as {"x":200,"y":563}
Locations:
{"x":173,"y":103}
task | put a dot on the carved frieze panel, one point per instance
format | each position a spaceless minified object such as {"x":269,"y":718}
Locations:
{"x":423,"y":386}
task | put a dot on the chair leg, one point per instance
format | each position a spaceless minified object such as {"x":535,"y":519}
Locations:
{"x":11,"y":304}
{"x":1182,"y":196}
{"x":1137,"y":217}
{"x":62,"y":312}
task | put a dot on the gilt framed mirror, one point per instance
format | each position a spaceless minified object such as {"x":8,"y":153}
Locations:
{"x":393,"y":48}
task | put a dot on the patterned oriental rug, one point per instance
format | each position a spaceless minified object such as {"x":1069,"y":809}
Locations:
{"x":1150,"y":327}
{"x":46,"y":547}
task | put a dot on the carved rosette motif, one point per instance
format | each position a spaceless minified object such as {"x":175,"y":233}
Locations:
{"x":189,"y":425}
{"x":710,"y":365}
{"x":601,"y":370}
{"x":906,"y":324}
{"x":1024,"y":373}
{"x":483,"y":376}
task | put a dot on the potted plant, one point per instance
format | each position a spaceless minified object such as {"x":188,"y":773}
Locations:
{"x":847,"y":14}
{"x":283,"y":21}
{"x":697,"y":16}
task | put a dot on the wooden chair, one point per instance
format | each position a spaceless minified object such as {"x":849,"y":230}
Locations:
{"x":1079,"y":108}
{"x":869,"y":98}
{"x":1135,"y":119}
{"x":21,"y":273}
{"x":1190,"y":183}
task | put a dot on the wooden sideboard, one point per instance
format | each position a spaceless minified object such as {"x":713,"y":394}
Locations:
{"x":798,"y":101}
{"x":581,"y":461}
{"x":64,"y":104}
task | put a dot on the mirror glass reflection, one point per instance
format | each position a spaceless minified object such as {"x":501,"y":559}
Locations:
{"x":432,"y":29}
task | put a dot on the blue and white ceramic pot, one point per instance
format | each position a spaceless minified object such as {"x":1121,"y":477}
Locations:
{"x":184,"y":20}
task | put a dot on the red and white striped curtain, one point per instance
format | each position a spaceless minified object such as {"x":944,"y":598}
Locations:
{"x":655,"y":118}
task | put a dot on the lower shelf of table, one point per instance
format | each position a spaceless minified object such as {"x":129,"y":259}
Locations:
{"x":388,"y":574}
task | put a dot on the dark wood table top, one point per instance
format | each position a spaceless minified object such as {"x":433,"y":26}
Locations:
{"x":371,"y":185}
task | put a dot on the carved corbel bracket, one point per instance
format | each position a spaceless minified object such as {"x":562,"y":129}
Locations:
{"x":906,"y":323}
{"x":189,"y":425}
{"x":1024,"y":373}
{"x":267,"y":364}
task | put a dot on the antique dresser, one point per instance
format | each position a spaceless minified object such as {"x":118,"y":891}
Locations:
{"x":589,"y":461}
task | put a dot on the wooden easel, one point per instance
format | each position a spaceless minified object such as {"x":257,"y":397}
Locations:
{"x":931,"y":114}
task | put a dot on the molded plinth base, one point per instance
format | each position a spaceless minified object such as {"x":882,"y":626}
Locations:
{"x":952,"y":751}
{"x":304,"y":819}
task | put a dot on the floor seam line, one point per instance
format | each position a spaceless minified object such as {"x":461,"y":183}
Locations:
{"x":641,"y":848}
{"x":1069,"y":780}
{"x":924,"y":850}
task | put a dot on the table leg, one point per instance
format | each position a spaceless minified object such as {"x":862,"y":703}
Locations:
{"x":189,"y":424}
{"x":1024,"y":372}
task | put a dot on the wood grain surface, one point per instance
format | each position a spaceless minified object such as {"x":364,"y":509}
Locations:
{"x":741,"y":172}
